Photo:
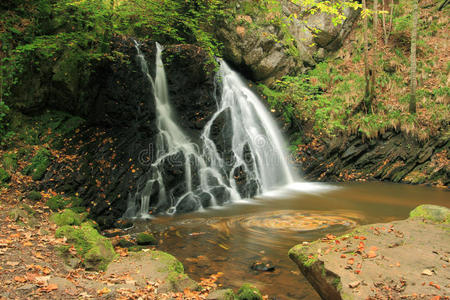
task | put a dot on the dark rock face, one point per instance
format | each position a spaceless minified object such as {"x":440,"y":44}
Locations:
{"x":114,"y":151}
{"x":392,"y":157}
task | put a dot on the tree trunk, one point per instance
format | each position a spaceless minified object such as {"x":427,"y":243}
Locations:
{"x":366,"y":54}
{"x":412,"y":100}
{"x":374,"y":52}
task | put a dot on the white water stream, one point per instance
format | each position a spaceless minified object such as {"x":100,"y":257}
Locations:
{"x":240,"y":154}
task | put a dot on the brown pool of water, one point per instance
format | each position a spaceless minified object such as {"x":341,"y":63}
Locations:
{"x":232,"y":238}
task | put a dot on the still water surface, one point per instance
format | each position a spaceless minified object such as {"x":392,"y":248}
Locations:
{"x":230,"y":239}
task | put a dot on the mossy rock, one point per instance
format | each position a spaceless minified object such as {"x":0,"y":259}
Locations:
{"x":4,"y":176}
{"x":248,"y":292}
{"x":433,"y":213}
{"x":10,"y":161}
{"x":145,"y":238}
{"x":124,"y":243}
{"x":39,"y":164}
{"x":136,"y":248}
{"x":96,"y":250}
{"x":57,"y":203}
{"x":225,"y":294}
{"x":67,"y":217}
{"x":34,"y":195}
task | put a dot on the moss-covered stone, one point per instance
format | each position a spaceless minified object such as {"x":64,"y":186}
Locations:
{"x":433,"y":213}
{"x":224,"y":294}
{"x":67,"y":217}
{"x":39,"y":164}
{"x":34,"y":195}
{"x":4,"y":176}
{"x":125,"y":243}
{"x":145,"y":238}
{"x":57,"y":203}
{"x":248,"y":292}
{"x":10,"y":161}
{"x":96,"y":250}
{"x":136,"y":248}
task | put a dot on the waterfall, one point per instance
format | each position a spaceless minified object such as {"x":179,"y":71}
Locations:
{"x":240,"y":153}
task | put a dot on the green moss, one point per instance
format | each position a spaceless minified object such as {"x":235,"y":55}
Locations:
{"x":39,"y":164}
{"x":125,"y":243}
{"x":136,"y":248}
{"x":248,"y":292}
{"x":434,"y":213}
{"x":10,"y":161}
{"x":4,"y":176}
{"x":57,"y":203}
{"x":299,"y":253}
{"x":67,"y":217}
{"x":336,"y":282}
{"x":97,"y":251}
{"x":34,"y":195}
{"x":145,"y":238}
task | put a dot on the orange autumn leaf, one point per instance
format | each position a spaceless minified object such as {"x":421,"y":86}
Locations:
{"x":371,"y":254}
{"x":49,"y":288}
{"x":20,"y":279}
{"x":351,"y":261}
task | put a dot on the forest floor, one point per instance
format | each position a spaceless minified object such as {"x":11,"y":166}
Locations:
{"x":31,"y":268}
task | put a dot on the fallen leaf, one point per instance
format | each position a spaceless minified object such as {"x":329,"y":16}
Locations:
{"x":49,"y":288}
{"x":371,"y":254}
{"x":351,"y":261}
{"x":20,"y":279}
{"x":12,"y":263}
{"x":354,"y":284}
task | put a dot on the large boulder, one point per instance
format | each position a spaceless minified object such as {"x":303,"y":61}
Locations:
{"x":255,"y":42}
{"x":382,"y":261}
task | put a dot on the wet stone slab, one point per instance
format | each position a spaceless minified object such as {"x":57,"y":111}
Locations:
{"x":407,"y":259}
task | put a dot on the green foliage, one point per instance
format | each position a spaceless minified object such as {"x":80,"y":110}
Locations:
{"x":34,"y":195}
{"x":4,"y":176}
{"x":39,"y":164}
{"x":10,"y":161}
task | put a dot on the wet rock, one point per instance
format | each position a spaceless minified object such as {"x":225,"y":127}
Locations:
{"x":262,"y":267}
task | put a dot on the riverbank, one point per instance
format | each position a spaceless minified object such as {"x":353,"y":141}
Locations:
{"x":37,"y":262}
{"x":406,"y":259}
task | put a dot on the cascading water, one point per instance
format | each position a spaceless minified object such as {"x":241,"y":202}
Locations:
{"x":240,"y":153}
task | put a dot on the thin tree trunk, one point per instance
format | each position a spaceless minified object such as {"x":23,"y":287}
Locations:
{"x":412,"y":100}
{"x":374,"y":51}
{"x":387,"y":28}
{"x":366,"y":54}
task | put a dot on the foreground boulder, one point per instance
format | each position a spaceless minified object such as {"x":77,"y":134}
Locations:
{"x":148,"y":265}
{"x":396,"y":260}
